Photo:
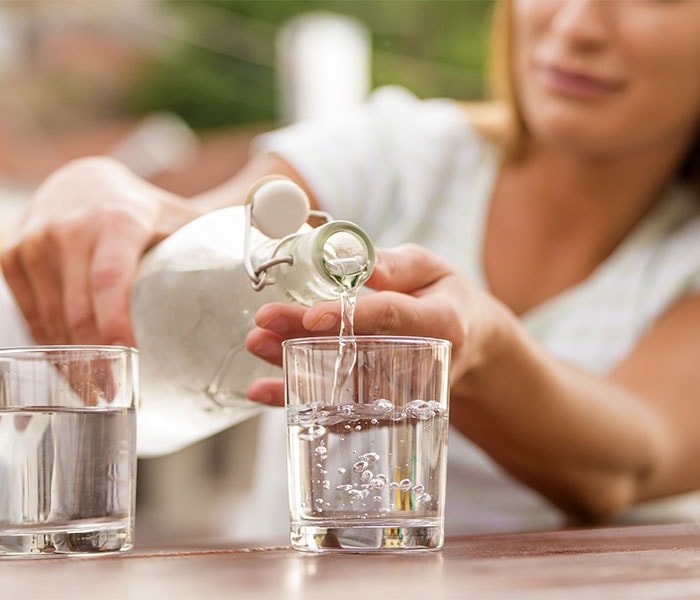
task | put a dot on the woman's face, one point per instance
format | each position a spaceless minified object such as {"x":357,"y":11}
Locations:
{"x":608,"y":77}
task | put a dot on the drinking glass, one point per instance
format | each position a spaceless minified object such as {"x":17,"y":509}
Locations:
{"x":367,"y":421}
{"x":67,"y":450}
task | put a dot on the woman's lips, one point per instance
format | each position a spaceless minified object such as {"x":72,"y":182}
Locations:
{"x":575,"y":84}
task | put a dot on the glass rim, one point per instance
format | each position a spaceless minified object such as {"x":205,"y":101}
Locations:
{"x":19,"y":352}
{"x":394,"y":340}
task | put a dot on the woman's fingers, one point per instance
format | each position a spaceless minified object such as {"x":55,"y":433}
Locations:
{"x":265,"y":344}
{"x":267,"y":391}
{"x":77,"y":303}
{"x":407,"y":268}
{"x":18,"y":283}
{"x":40,"y":264}
{"x":112,"y":270}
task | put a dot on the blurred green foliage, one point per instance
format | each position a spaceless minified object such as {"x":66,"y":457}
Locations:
{"x":219,"y":67}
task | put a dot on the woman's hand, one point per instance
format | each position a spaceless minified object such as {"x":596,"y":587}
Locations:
{"x":417,"y":294}
{"x":73,"y":259}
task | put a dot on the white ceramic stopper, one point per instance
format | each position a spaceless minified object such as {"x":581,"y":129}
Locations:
{"x":280,"y":207}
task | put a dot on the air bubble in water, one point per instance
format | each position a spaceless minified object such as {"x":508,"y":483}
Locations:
{"x":376,"y":498}
{"x":321,"y":452}
{"x":341,"y":470}
{"x":405,"y":485}
{"x":326,"y":484}
{"x":424,"y":498}
{"x":319,"y":501}
{"x":366,"y":476}
{"x":384,"y":510}
{"x":343,"y":488}
{"x":378,"y":482}
{"x":346,"y":409}
{"x":356,"y":494}
{"x":393,"y":486}
{"x":374,"y":421}
{"x":418,"y":489}
{"x":382,"y":406}
{"x":358,"y":427}
{"x":421,"y":409}
{"x":360,"y":466}
{"x":312,"y":432}
{"x":348,"y":427}
{"x":370,"y":456}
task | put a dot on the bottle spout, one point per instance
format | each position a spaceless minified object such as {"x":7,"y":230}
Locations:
{"x":346,"y":253}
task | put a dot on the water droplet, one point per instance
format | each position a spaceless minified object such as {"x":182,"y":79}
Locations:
{"x":346,"y":409}
{"x":405,"y":485}
{"x":341,"y":470}
{"x":343,"y":488}
{"x":319,"y":501}
{"x":370,"y":456}
{"x":366,"y":476}
{"x":326,"y":484}
{"x":423,"y":498}
{"x":358,"y":427}
{"x":374,"y":421}
{"x":319,"y":465}
{"x":397,"y":415}
{"x":418,"y":489}
{"x":321,"y":452}
{"x":312,"y":432}
{"x":359,"y":466}
{"x":376,"y":498}
{"x":382,"y":405}
{"x":393,"y":486}
{"x":348,"y":427}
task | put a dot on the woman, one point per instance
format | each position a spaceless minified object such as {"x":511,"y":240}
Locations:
{"x":570,"y":256}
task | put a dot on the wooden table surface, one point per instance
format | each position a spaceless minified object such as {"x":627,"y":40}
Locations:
{"x":634,"y":562}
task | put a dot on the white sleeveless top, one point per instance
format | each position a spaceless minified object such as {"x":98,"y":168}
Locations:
{"x":408,"y":170}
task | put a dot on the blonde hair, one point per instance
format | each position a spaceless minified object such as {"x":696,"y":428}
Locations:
{"x":500,"y":118}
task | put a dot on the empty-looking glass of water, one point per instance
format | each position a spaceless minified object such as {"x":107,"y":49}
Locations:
{"x":367,"y":446}
{"x":67,"y":450}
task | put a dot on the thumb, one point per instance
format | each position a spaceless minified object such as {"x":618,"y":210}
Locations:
{"x":406,"y":268}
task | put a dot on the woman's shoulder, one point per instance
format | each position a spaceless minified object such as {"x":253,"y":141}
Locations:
{"x":432,"y":134}
{"x":403,"y":110}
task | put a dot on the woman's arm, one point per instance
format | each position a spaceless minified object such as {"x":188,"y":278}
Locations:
{"x":72,"y":261}
{"x":590,"y":445}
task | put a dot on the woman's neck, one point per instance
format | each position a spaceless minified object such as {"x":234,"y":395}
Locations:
{"x":574,"y":192}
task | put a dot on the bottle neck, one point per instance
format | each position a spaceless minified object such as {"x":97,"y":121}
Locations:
{"x":328,"y":261}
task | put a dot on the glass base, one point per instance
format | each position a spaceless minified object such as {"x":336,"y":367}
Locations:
{"x":84,"y":540}
{"x":339,"y":538}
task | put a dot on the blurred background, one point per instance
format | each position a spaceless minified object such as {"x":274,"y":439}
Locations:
{"x":177,"y":90}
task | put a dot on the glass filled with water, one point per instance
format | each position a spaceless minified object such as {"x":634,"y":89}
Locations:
{"x":67,"y":450}
{"x":367,"y":421}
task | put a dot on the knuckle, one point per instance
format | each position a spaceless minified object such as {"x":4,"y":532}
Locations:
{"x":34,"y":250}
{"x":9,"y":263}
{"x":106,"y":275}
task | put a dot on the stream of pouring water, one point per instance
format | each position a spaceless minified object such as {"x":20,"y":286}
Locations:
{"x":346,"y":272}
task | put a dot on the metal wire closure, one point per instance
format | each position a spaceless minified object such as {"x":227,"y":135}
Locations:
{"x":259,"y":276}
